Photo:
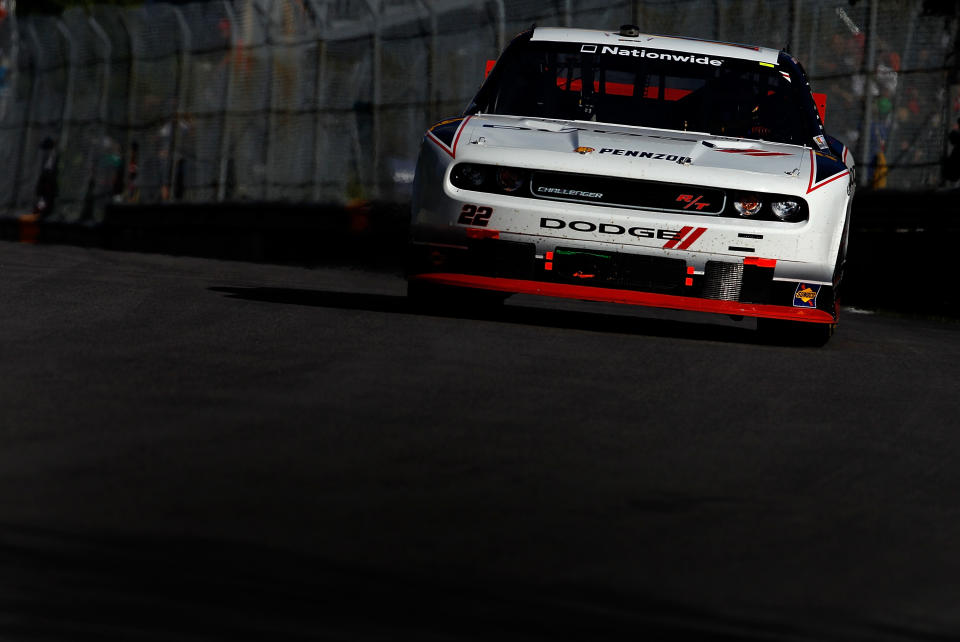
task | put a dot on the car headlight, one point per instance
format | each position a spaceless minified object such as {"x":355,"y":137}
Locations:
{"x":509,"y":179}
{"x":786,"y":210}
{"x":466,"y":176}
{"x":748,"y":205}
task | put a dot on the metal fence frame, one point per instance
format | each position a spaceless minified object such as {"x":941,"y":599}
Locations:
{"x":326,"y":100}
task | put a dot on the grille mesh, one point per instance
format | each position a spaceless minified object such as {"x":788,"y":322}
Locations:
{"x":722,"y":280}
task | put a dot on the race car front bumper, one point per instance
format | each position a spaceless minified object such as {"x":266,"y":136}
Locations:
{"x":744,"y":288}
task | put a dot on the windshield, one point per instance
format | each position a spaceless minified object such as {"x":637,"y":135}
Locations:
{"x":649,"y":88}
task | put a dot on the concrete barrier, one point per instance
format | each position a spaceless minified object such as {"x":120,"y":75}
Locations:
{"x":900,"y":258}
{"x":902,"y":249}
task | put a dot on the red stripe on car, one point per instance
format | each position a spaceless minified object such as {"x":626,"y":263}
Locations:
{"x":697,"y":233}
{"x":629,"y":297}
{"x":676,"y":239}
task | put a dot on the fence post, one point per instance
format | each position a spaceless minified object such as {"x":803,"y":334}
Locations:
{"x":108,"y":58}
{"x":270,"y":49}
{"x":13,"y":81}
{"x":810,"y":63}
{"x":718,"y":33}
{"x":373,"y":8}
{"x":320,"y":15}
{"x":567,"y":13}
{"x":868,"y":82}
{"x":433,"y":97}
{"x":66,"y":115}
{"x":501,"y":26}
{"x":131,"y":166}
{"x":946,"y":113}
{"x":28,"y":117}
{"x":795,"y":48}
{"x":228,"y":96}
{"x":103,"y":109}
{"x":182,"y":86}
{"x":14,"y":63}
{"x":915,"y":9}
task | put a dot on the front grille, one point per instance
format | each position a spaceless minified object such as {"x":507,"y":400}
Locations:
{"x":722,"y":281}
{"x":624,"y":192}
{"x":617,"y":270}
{"x":486,"y":257}
{"x":502,"y":258}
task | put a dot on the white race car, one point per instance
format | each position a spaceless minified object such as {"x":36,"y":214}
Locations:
{"x":639,"y":169}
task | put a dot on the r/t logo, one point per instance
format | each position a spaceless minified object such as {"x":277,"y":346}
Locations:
{"x":691,"y":201}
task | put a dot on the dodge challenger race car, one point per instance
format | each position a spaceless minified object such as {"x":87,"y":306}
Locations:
{"x":638,"y":169}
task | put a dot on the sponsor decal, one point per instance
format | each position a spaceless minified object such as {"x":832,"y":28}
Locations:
{"x":806,"y":295}
{"x":473,"y":215}
{"x":821,"y":142}
{"x":680,"y":239}
{"x":690,"y":201}
{"x":633,"y":52}
{"x":568,"y":192}
{"x":635,"y":153}
{"x":584,"y":150}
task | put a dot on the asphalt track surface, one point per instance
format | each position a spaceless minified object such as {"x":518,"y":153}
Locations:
{"x":195,"y":449}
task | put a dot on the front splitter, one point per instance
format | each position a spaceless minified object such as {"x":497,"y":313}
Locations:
{"x":628,"y":297}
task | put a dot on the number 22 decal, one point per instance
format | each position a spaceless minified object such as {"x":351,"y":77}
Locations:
{"x":473,"y":215}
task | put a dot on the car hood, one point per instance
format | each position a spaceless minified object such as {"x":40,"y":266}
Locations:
{"x":634,"y":152}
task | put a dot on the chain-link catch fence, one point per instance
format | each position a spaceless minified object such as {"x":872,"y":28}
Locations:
{"x":327,"y":100}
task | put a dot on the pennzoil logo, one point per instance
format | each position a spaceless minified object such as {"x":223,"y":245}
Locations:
{"x":806,"y":295}
{"x":584,"y":150}
{"x":636,"y":153}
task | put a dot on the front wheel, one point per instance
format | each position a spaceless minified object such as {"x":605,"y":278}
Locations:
{"x":795,"y":333}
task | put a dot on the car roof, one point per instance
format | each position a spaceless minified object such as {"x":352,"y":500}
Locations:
{"x":669,"y":43}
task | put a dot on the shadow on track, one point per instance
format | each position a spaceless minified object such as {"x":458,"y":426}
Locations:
{"x":518,"y":314}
